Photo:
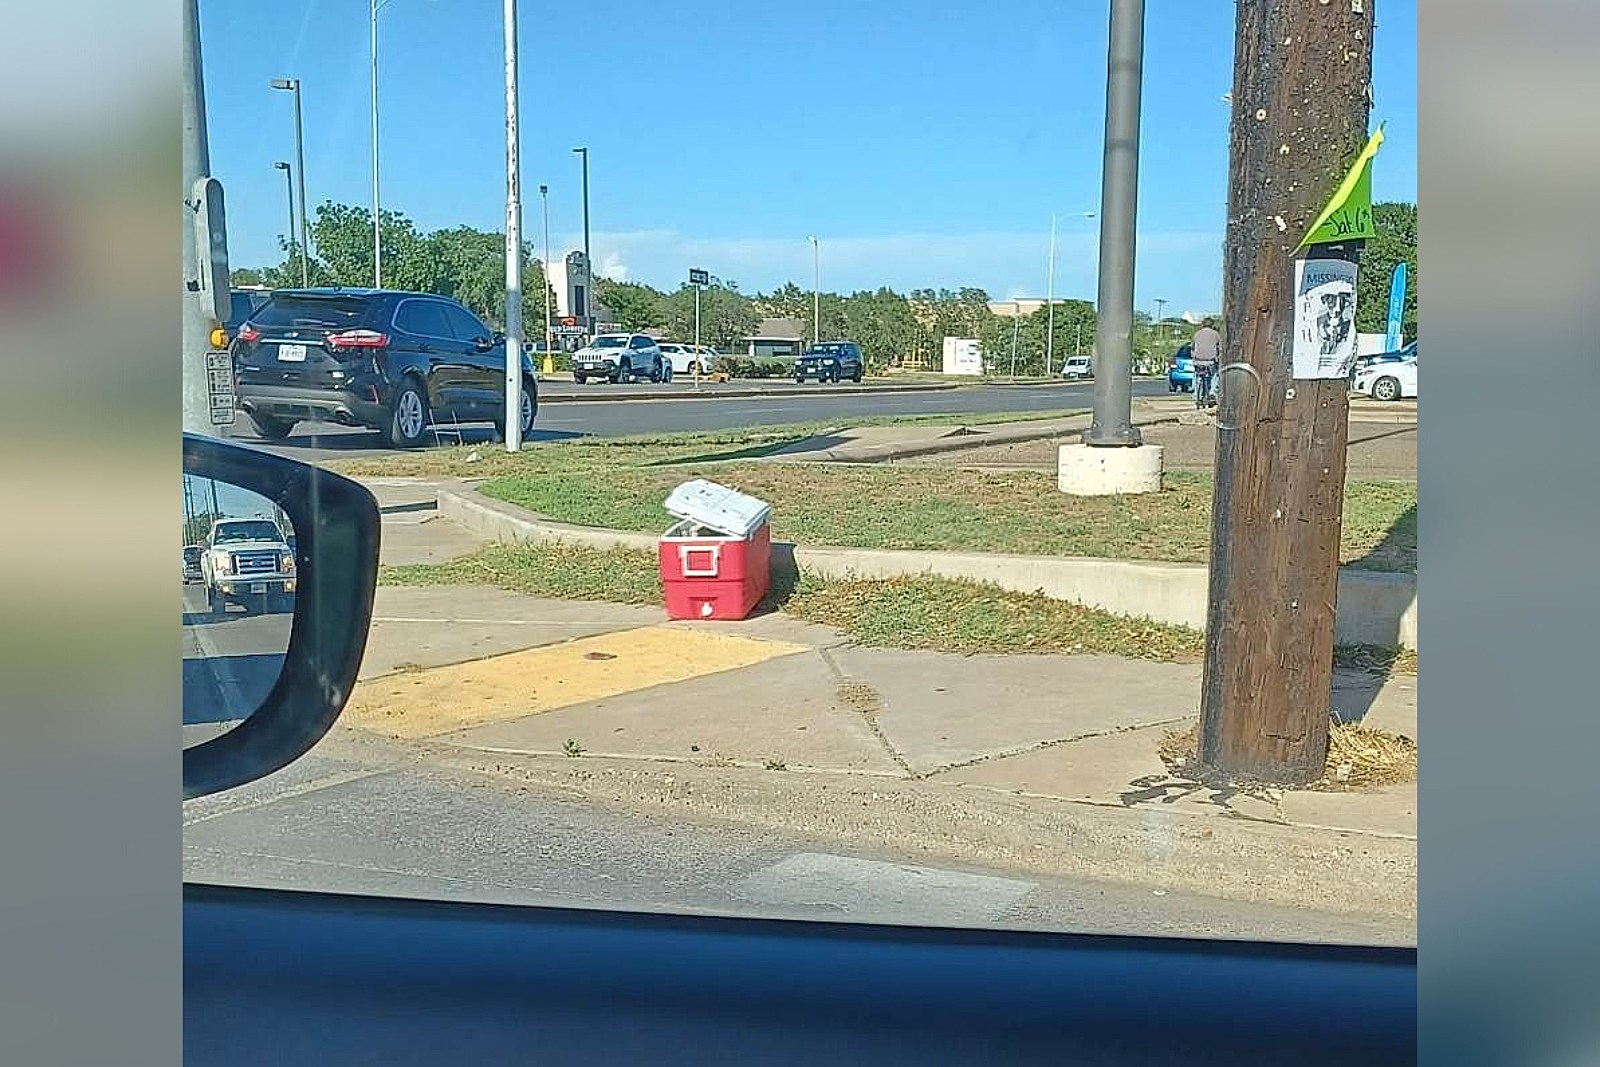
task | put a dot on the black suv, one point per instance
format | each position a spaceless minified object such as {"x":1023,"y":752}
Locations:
{"x":830,"y":361}
{"x":392,"y":361}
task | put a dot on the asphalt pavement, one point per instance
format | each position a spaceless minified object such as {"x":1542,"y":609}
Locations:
{"x":230,"y":663}
{"x":675,"y":409}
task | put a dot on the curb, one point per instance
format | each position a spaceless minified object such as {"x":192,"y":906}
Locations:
{"x":1374,"y":607}
{"x":1218,"y":855}
{"x":956,"y":441}
{"x":734,"y":394}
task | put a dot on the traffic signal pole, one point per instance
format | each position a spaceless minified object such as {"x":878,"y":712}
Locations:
{"x":1301,"y":96}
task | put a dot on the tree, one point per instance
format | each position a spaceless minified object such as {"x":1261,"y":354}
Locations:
{"x":636,"y":306}
{"x":1396,"y":242}
{"x":726,"y":316}
{"x":246,"y":276}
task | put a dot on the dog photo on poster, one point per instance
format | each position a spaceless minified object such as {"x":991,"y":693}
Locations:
{"x":1324,"y":318}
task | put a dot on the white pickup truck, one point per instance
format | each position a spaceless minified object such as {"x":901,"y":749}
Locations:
{"x":248,"y":562}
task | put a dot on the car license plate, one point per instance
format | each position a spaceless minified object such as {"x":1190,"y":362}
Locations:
{"x":258,"y":587}
{"x":291,"y":353}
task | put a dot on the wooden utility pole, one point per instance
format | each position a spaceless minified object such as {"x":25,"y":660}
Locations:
{"x":1301,"y":97}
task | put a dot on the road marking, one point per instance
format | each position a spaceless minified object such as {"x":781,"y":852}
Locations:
{"x":442,"y":700}
{"x":327,"y":781}
{"x":876,"y":892}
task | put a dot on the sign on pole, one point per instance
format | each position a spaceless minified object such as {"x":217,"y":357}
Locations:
{"x":1397,"y":307}
{"x":699,"y":277}
{"x":219,"y":386}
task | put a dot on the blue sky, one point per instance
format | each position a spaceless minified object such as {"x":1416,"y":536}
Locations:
{"x":926,"y":144}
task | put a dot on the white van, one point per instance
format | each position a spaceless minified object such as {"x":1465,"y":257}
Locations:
{"x":1077,"y":367}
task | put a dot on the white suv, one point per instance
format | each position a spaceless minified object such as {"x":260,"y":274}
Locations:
{"x":618,"y":357}
{"x":685,"y":357}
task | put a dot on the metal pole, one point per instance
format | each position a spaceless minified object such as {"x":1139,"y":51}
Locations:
{"x":1016,"y":324}
{"x":1113,"y":379}
{"x":816,"y":291}
{"x":1050,"y":303}
{"x":514,"y":331}
{"x":588,"y":264}
{"x":549,"y":336}
{"x":197,"y":321}
{"x":288,"y":187}
{"x":377,"y":235}
{"x":1161,"y":315}
{"x":697,"y":335}
{"x":300,"y":175}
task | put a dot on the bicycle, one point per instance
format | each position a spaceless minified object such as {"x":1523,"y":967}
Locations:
{"x":1203,"y":379}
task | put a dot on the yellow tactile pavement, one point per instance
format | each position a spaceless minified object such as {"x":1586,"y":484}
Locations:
{"x":441,"y":700}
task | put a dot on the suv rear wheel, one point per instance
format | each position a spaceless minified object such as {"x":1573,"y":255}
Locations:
{"x":408,"y":416}
{"x":530,"y":408}
{"x":270,"y":428}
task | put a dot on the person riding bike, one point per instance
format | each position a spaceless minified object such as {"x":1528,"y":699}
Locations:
{"x":1206,"y":350}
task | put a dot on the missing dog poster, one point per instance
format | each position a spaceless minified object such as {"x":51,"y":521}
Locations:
{"x":1324,"y":318}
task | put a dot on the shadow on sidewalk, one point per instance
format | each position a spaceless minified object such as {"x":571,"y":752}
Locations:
{"x":1397,"y":551}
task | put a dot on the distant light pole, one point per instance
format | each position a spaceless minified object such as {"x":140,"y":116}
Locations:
{"x":293,"y":85}
{"x":288,"y":186}
{"x":1161,"y":307}
{"x":1049,"y":298}
{"x":816,"y":290}
{"x":588,"y":264}
{"x":549,"y":338}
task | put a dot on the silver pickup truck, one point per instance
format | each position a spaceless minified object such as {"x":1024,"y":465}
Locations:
{"x":248,"y":562}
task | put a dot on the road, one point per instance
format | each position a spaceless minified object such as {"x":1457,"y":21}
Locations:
{"x":359,"y":814}
{"x":230,"y":663}
{"x":676,"y":409}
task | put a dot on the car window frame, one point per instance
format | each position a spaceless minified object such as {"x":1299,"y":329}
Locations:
{"x":453,"y":309}
{"x":428,"y":302}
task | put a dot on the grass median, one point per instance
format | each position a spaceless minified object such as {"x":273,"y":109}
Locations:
{"x":936,"y":614}
{"x":620,"y":484}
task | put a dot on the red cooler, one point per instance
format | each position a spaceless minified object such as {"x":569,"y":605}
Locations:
{"x":716,"y":561}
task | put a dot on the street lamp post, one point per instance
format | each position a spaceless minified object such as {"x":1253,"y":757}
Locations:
{"x":514,"y":330}
{"x":588,"y":264}
{"x":293,"y":85}
{"x":1112,"y":424}
{"x":816,"y":291}
{"x":288,"y":187}
{"x":378,"y":240}
{"x":1161,"y":318}
{"x":549,"y":338}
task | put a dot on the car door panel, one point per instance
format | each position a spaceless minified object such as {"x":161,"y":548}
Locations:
{"x":485,"y":367}
{"x":436,"y":356}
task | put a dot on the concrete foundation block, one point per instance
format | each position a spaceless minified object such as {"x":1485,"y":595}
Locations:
{"x":1086,"y":471}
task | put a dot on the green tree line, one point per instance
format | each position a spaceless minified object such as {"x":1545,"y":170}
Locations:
{"x":892,"y":328}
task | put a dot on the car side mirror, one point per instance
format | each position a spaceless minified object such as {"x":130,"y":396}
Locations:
{"x":299,"y":534}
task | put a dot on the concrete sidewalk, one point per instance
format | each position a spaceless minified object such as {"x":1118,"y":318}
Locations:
{"x":1044,"y":763}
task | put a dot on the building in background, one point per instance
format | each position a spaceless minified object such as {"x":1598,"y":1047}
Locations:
{"x":573,"y":283}
{"x":776,"y":339}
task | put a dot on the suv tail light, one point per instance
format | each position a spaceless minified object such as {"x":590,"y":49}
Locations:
{"x":358,"y":339}
{"x":249,"y":334}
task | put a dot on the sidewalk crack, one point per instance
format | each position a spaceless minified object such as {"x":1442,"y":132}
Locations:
{"x":868,"y":714}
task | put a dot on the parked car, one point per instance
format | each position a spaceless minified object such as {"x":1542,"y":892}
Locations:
{"x":1399,"y":355}
{"x":392,"y":361}
{"x":1077,"y":367}
{"x":1180,"y":370}
{"x":830,"y":361}
{"x":1388,"y":380}
{"x":685,"y":358}
{"x":248,"y":562}
{"x":191,"y":564}
{"x":618,"y":357}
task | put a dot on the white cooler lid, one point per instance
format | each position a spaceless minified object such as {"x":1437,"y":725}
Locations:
{"x":718,"y":508}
